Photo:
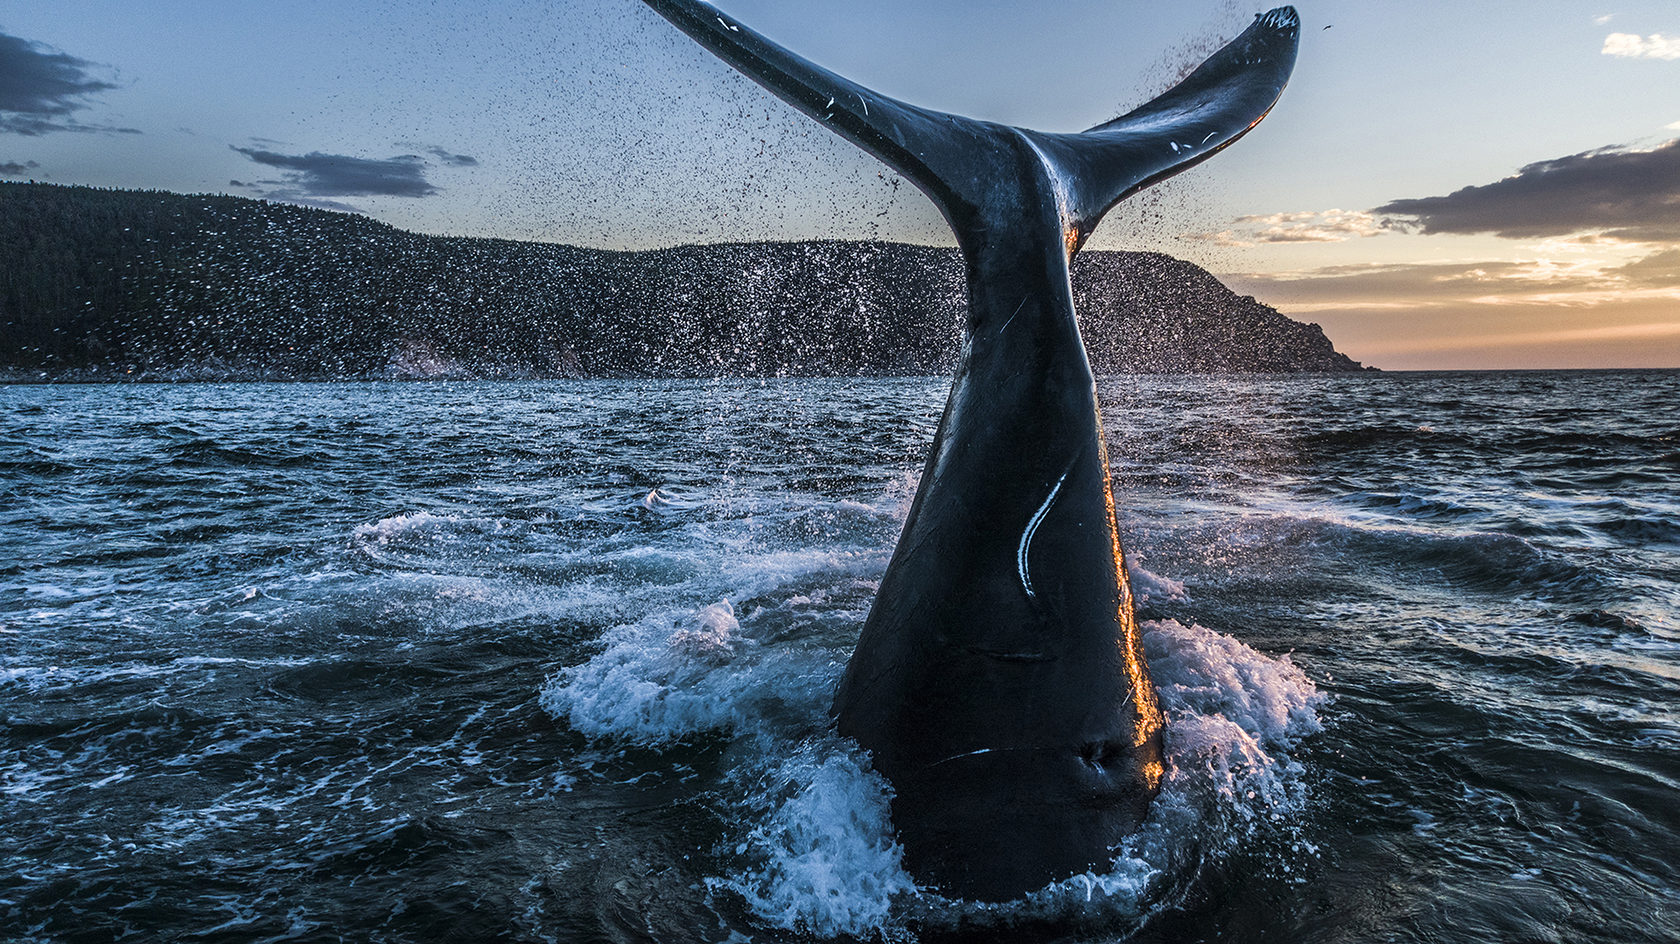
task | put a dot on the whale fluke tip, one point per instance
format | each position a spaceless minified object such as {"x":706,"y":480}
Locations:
{"x":1281,"y":19}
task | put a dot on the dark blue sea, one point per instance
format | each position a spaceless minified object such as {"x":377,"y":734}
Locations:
{"x":551,"y":661}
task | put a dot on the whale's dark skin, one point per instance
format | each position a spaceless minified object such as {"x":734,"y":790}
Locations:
{"x":999,"y":683}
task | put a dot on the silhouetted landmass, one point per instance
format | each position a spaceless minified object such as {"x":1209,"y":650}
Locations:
{"x":113,"y":284}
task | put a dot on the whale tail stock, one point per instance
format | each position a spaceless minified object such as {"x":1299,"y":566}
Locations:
{"x":972,"y":170}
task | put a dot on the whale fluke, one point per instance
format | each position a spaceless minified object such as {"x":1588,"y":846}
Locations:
{"x":956,"y":161}
{"x":999,"y":682}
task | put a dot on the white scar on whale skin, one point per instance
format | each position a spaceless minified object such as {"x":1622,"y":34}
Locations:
{"x":1032,"y":526}
{"x":1012,"y":317}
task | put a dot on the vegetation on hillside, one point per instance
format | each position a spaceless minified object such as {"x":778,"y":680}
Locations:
{"x":128,"y":284}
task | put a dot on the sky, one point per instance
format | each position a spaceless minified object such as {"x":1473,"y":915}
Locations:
{"x":1443,"y":185}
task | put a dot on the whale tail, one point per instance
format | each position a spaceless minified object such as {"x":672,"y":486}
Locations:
{"x":999,"y":682}
{"x":972,"y":169}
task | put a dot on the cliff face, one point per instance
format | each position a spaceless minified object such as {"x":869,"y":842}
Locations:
{"x":1144,"y":312}
{"x":114,"y":284}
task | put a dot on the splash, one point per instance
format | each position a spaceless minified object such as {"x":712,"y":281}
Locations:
{"x":1149,"y":587}
{"x":812,"y":848}
{"x":821,"y":858}
{"x":661,"y":679}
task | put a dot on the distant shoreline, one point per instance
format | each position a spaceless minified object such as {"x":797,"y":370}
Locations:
{"x":38,"y":379}
{"x":104,"y":285}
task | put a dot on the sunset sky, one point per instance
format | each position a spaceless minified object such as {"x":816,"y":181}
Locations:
{"x":1443,"y":185}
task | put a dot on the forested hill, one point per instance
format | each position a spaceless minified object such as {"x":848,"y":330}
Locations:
{"x":110,"y":284}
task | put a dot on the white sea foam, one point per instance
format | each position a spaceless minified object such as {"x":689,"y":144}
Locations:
{"x":404,"y":527}
{"x":821,"y":857}
{"x":815,"y":852}
{"x":673,"y":498}
{"x":713,"y":638}
{"x":676,"y":672}
{"x":1200,"y":672}
{"x":1150,"y":587}
{"x":660,"y":679}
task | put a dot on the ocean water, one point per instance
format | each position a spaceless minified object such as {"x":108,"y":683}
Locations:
{"x":552,"y":661}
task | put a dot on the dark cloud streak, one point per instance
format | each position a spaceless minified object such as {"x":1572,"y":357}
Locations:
{"x":452,"y":160}
{"x":1658,"y":269}
{"x":315,"y":175}
{"x":41,"y":87}
{"x":14,"y":169}
{"x":1626,"y":194}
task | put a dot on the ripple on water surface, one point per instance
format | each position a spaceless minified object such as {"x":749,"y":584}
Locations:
{"x":553,"y":661}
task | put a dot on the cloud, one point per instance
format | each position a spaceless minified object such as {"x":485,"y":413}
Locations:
{"x":1634,"y":46}
{"x":1553,"y":280}
{"x":1624,"y":194}
{"x":315,"y":175}
{"x":14,"y":169}
{"x":1312,"y":226}
{"x":1415,"y":285}
{"x":1658,"y":269}
{"x":1489,"y":314}
{"x":452,"y":160}
{"x":444,"y":156}
{"x":1644,"y":331}
{"x":41,"y":87}
{"x":1601,"y":20}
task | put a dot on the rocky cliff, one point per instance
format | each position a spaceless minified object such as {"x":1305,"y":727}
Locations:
{"x":108,"y":284}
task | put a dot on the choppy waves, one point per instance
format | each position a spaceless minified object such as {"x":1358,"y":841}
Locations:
{"x":554,"y":661}
{"x":812,"y":849}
